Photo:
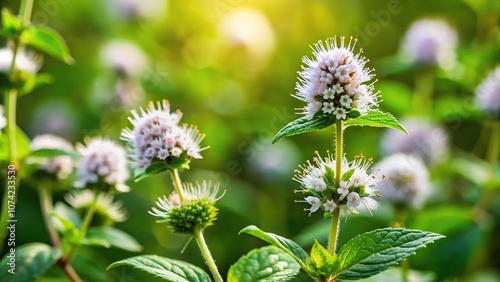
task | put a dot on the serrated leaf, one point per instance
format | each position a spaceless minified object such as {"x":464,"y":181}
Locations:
{"x":165,"y":268}
{"x":303,"y":125}
{"x":287,"y":245}
{"x":374,"y":251}
{"x":376,"y":119}
{"x":22,"y":145}
{"x":31,"y":261}
{"x":48,"y":41}
{"x":11,"y":25}
{"x":114,"y":237}
{"x":264,"y":264}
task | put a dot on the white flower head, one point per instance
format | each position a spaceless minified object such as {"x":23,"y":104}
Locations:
{"x":60,"y":166}
{"x":431,"y":42}
{"x":107,"y":208}
{"x":356,"y":185}
{"x":425,"y":139}
{"x":337,"y":79}
{"x":488,"y":93}
{"x":124,"y":57}
{"x":406,"y":180}
{"x":157,"y":136}
{"x":3,"y":119}
{"x":196,"y":209}
{"x":24,"y":61}
{"x":103,"y":165}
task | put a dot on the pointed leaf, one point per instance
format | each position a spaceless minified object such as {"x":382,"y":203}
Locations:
{"x":31,"y":261}
{"x":153,"y":169}
{"x":265,"y":264}
{"x":165,"y":268}
{"x":22,"y":145}
{"x":374,"y":251}
{"x":376,"y":119}
{"x":11,"y":25}
{"x":303,"y":125}
{"x":287,"y":245}
{"x":48,"y":41}
{"x":114,"y":238}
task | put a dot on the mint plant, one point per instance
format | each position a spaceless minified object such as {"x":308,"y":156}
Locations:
{"x":339,"y":93}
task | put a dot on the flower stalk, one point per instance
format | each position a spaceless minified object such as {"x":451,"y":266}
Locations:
{"x":47,"y":206}
{"x":11,"y":105}
{"x":198,"y":235}
{"x":85,"y":225}
{"x":334,"y":229}
{"x":174,"y":173}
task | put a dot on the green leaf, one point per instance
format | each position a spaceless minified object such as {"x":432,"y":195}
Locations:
{"x":303,"y":125}
{"x":32,"y":82}
{"x":31,"y":261}
{"x":376,"y":119}
{"x":153,"y":169}
{"x":11,"y":26}
{"x":374,"y":251}
{"x":94,"y":242}
{"x":165,"y":268}
{"x":114,"y":238}
{"x":49,"y":153}
{"x":68,"y":213}
{"x":22,"y":145}
{"x":321,"y":264}
{"x":47,"y":40}
{"x":287,"y":245}
{"x":265,"y":264}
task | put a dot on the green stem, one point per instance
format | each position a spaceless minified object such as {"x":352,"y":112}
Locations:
{"x":10,"y":108}
{"x":334,"y":232}
{"x":424,"y":84}
{"x":492,"y":156}
{"x":174,"y":173}
{"x":85,"y":225}
{"x":25,"y":11}
{"x":405,"y":269}
{"x":198,"y":234}
{"x":334,"y":229}
{"x":47,"y":206}
{"x":400,"y":215}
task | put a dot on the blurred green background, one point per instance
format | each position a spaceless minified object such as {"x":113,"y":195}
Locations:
{"x":230,"y":67}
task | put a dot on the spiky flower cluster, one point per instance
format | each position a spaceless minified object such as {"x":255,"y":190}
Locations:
{"x":107,"y":210}
{"x":336,"y":81}
{"x":431,"y":42}
{"x":488,"y":93}
{"x":103,"y":165}
{"x":195,"y":211}
{"x":158,"y":136}
{"x":59,"y":167}
{"x":406,"y":180}
{"x":356,"y":186}
{"x":24,"y":61}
